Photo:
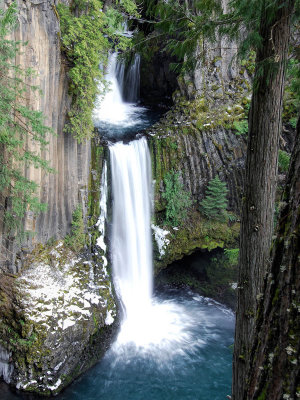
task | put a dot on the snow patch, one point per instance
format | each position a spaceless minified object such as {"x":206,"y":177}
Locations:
{"x":56,"y":385}
{"x":58,"y":295}
{"x":161,"y":239}
{"x":109,"y":318}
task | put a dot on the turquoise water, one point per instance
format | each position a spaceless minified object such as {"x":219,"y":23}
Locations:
{"x":196,"y":367}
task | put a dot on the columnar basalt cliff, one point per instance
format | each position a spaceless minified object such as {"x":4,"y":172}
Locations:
{"x":198,"y":155}
{"x":64,"y":189}
{"x":200,"y":138}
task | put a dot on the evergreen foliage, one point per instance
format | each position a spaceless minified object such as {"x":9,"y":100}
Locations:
{"x":292,"y":89}
{"x":184,"y":25}
{"x":177,"y":199}
{"x":87,"y":35}
{"x":215,"y":203}
{"x":241,"y":127}
{"x":232,"y":256}
{"x":76,"y":239}
{"x":283,"y":161}
{"x":21,"y":129}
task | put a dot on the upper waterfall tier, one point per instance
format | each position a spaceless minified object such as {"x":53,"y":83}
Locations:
{"x":118,"y":116}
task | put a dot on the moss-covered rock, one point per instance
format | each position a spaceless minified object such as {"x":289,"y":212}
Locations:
{"x":182,"y":143}
{"x":59,"y":319}
{"x":197,"y":233}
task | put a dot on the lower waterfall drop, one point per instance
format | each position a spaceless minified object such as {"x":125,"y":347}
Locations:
{"x":131,"y":236}
{"x":146,"y":321}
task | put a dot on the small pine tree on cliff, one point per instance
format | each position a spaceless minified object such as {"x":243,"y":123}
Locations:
{"x":215,"y":203}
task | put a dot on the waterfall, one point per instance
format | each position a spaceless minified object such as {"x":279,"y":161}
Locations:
{"x":132,"y":81}
{"x":6,"y":368}
{"x":146,"y":321}
{"x":113,"y":110}
{"x":131,"y":235}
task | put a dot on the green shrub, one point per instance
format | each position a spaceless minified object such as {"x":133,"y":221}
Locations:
{"x":214,"y":204}
{"x":283,"y":161}
{"x":293,"y":122}
{"x":76,"y":239}
{"x":177,"y":199}
{"x":232,"y":256}
{"x":241,"y":127}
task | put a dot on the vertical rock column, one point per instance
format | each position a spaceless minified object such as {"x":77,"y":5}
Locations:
{"x":62,"y":190}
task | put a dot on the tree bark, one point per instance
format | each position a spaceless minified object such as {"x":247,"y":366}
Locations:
{"x":274,"y":364}
{"x":260,"y":180}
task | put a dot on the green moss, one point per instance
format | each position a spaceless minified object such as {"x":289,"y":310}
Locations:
{"x":197,"y":233}
{"x":283,"y":161}
{"x":275,"y":297}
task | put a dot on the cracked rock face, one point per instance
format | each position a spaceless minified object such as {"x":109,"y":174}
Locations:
{"x":65,"y":310}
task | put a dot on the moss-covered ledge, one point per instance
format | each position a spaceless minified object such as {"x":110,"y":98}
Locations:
{"x":173,"y":243}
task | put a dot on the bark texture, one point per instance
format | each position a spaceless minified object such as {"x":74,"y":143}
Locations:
{"x":260,"y":181}
{"x":275,"y":353}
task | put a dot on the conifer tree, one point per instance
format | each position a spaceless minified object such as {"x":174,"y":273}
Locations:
{"x":215,"y":203}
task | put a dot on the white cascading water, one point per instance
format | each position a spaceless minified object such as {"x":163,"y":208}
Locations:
{"x":146,"y":322}
{"x":132,"y":80}
{"x":131,"y":236}
{"x":152,"y":327}
{"x":112,"y":109}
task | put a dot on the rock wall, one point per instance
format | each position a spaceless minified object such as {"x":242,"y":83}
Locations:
{"x":199,"y":149}
{"x":64,"y":189}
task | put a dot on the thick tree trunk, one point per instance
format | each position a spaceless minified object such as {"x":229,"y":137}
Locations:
{"x":274,"y":364}
{"x":260,"y":180}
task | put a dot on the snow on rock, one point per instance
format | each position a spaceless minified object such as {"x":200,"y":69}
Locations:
{"x":64,"y":301}
{"x":55,"y":290}
{"x":161,"y":239}
{"x":109,"y":318}
{"x":56,"y":385}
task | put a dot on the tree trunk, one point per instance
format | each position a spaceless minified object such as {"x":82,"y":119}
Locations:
{"x":274,"y":363}
{"x":260,"y":180}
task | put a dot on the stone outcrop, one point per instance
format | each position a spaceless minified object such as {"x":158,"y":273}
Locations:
{"x":64,"y":313}
{"x":64,"y":189}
